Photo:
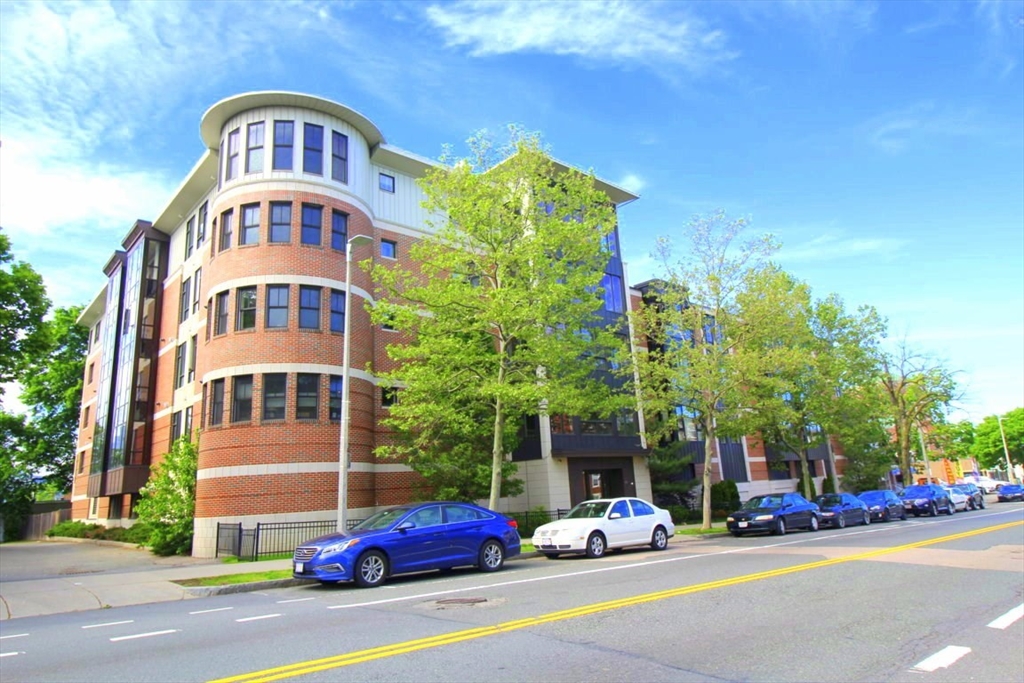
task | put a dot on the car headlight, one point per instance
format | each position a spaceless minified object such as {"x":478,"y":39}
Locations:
{"x":729,"y":519}
{"x":763,"y":518}
{"x":920,"y":501}
{"x":828,"y":514}
{"x":339,"y":546}
{"x":876,"y":507}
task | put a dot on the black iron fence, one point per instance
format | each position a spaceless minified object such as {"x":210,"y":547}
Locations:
{"x":268,"y":539}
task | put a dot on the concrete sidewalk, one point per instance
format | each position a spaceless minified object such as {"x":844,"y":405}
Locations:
{"x":104,"y":574}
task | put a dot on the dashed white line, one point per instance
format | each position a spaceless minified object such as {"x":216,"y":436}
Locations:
{"x":281,"y":602}
{"x":942,"y":659}
{"x":9,"y":654}
{"x":110,"y":623}
{"x":207,"y":611}
{"x":14,"y":635}
{"x":144,"y":635}
{"x":1008,"y":618}
{"x":262,"y":616}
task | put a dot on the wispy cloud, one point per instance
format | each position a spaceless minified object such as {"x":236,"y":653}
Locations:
{"x":896,"y":131}
{"x":632,"y":182}
{"x":651,"y":34}
{"x":832,"y":247}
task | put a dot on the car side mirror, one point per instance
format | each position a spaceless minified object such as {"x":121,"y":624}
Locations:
{"x":614,"y":515}
{"x":405,"y":526}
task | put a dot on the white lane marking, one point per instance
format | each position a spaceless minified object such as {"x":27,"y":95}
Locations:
{"x":942,"y":659}
{"x":110,"y":623}
{"x":281,"y":602}
{"x":207,"y":611}
{"x":14,"y":635}
{"x":1008,"y":618}
{"x":262,"y":616}
{"x":9,"y":654}
{"x":144,"y":635}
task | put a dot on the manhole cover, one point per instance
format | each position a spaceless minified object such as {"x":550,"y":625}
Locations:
{"x":461,"y":601}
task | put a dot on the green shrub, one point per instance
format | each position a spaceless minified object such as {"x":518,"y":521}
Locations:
{"x":529,"y":521}
{"x":680,"y":513}
{"x":724,"y":496}
{"x":828,"y":485}
{"x":800,"y":486}
{"x":74,"y":529}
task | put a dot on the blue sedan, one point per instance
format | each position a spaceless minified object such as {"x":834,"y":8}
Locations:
{"x":775,"y":514}
{"x":410,"y":538}
{"x":840,"y":509}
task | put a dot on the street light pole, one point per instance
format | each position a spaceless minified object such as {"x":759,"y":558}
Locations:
{"x":1006,"y":451}
{"x":343,"y":458}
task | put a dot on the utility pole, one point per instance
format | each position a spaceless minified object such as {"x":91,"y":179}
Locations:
{"x":1006,"y":451}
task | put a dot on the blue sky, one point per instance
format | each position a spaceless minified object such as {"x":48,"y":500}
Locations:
{"x":881,"y":143}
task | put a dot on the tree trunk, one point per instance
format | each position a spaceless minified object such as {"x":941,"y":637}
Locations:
{"x":497,"y":455}
{"x":709,"y":452}
{"x":805,"y":474}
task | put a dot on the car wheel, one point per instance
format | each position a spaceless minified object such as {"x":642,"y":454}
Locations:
{"x":933,"y":511}
{"x":903,"y":516}
{"x":492,"y":556}
{"x":841,"y":521}
{"x":885,"y":515}
{"x":780,"y":527}
{"x":982,"y":504}
{"x":950,"y":508}
{"x":595,"y":545}
{"x":551,"y":556}
{"x":659,"y":541}
{"x":867,"y":518}
{"x":371,"y":569}
{"x":814,"y":523}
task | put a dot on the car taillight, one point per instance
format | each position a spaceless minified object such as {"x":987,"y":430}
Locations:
{"x":513,"y":523}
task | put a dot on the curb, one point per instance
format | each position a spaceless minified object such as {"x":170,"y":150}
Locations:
{"x":226,"y":589}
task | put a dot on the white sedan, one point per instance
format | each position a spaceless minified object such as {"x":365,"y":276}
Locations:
{"x":958,"y":500}
{"x":595,"y":526}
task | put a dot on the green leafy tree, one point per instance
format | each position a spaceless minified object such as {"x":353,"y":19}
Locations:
{"x":16,"y":484}
{"x":168,"y":500}
{"x":499,"y":311}
{"x":918,"y":392}
{"x":988,"y":440}
{"x":667,"y":464}
{"x":701,"y":330}
{"x":867,"y":443}
{"x":23,"y":304}
{"x":953,"y":439}
{"x":52,"y":391}
{"x":836,"y":352}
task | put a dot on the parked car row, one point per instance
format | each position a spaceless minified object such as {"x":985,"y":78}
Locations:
{"x":443,"y":535}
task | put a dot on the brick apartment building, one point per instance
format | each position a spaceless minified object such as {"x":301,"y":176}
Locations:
{"x":225,"y":315}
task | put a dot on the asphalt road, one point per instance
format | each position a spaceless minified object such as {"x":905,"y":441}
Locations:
{"x":929,"y":601}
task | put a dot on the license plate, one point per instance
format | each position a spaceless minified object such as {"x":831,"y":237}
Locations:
{"x":545,"y":541}
{"x":298,"y":567}
{"x":743,"y":525}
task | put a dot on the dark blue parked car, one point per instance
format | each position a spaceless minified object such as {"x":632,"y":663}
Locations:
{"x":884,"y":505}
{"x":1009,"y":492}
{"x":840,"y":509}
{"x":926,"y":499}
{"x":410,"y":538}
{"x":775,"y":514}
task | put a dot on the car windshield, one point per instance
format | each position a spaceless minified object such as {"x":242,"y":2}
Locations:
{"x":916,"y":491}
{"x":872,"y":496}
{"x":382,"y":519}
{"x":758,"y":502}
{"x":829,"y":500}
{"x":595,"y":508}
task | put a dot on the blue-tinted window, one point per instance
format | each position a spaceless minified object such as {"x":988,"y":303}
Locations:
{"x":284,"y":139}
{"x":612,"y":285}
{"x":254,"y":148}
{"x":280,"y":221}
{"x":337,"y":311}
{"x":312,"y":220}
{"x":611,"y":243}
{"x":339,"y":230}
{"x":309,"y":307}
{"x":339,"y":157}
{"x":335,"y":400}
{"x":249,"y":231}
{"x":313,"y":149}
{"x":231,"y":169}
{"x":277,"y":306}
{"x":388,"y":249}
{"x":387,"y":182}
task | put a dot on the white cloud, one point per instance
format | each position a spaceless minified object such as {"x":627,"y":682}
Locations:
{"x":896,"y":131}
{"x":632,"y":182}
{"x":654,"y":35}
{"x":832,"y":247}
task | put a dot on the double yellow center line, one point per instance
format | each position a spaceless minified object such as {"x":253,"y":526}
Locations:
{"x":371,"y":654}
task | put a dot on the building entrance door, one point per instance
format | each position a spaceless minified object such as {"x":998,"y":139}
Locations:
{"x":603,"y":483}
